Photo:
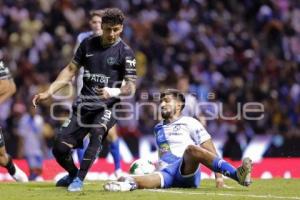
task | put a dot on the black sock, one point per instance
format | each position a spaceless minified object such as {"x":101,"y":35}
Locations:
{"x":10,"y":166}
{"x":63,"y":156}
{"x":69,"y":165}
{"x":87,"y":161}
{"x":90,"y":155}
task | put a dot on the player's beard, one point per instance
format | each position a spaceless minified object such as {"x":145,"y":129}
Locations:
{"x":167,"y":114}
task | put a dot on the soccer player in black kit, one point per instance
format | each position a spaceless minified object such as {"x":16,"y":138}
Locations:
{"x":109,"y":72}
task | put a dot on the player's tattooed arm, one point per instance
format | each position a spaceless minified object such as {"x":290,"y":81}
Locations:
{"x":128,"y":89}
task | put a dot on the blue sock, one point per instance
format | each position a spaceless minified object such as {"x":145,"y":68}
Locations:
{"x":80,"y":153}
{"x":115,"y":151}
{"x":221,"y":166}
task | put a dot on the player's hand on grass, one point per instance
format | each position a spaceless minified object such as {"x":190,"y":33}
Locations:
{"x":220,"y":183}
{"x":40,"y":97}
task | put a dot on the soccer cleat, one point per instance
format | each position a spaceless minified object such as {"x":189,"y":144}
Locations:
{"x":76,"y":185}
{"x":64,"y":181}
{"x":117,"y":186}
{"x":244,"y":172}
{"x":19,"y":175}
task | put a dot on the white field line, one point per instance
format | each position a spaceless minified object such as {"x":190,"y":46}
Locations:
{"x":223,"y":194}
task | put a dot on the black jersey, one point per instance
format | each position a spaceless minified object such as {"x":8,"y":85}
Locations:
{"x":103,"y":67}
{"x":4,"y":71}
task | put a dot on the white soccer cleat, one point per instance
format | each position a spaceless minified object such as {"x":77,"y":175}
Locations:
{"x":117,"y":186}
{"x":244,"y":172}
{"x":19,"y":175}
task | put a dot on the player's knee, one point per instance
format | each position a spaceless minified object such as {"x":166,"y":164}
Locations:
{"x":112,"y":134}
{"x":192,"y":150}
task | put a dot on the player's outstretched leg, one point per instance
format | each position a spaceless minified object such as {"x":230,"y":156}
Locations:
{"x":90,"y":155}
{"x":198,"y":154}
{"x":241,"y":174}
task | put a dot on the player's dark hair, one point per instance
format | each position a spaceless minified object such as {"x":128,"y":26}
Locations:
{"x":113,"y":16}
{"x":98,"y":13}
{"x":176,"y":94}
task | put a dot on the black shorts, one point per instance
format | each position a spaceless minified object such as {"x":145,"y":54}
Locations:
{"x":1,"y":138}
{"x":83,"y":122}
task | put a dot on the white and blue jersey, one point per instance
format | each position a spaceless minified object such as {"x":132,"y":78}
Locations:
{"x":172,"y":140}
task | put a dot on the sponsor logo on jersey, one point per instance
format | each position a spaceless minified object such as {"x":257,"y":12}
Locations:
{"x":160,"y":137}
{"x":131,"y":62}
{"x":176,"y":128}
{"x":163,"y":148}
{"x":97,"y":78}
{"x":89,"y":55}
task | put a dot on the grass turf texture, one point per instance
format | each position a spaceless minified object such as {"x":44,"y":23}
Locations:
{"x":260,"y":189}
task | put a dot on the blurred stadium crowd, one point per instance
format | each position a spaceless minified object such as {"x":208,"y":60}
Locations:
{"x":239,"y":50}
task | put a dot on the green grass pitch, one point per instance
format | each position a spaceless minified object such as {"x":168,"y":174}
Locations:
{"x":284,"y":189}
